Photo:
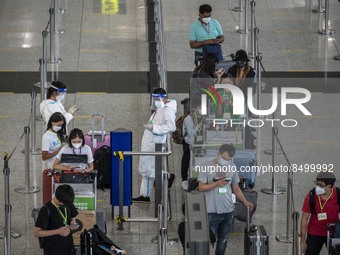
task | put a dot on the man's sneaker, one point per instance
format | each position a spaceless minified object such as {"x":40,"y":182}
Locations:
{"x":185,"y":185}
{"x":141,"y":199}
{"x":171,"y":180}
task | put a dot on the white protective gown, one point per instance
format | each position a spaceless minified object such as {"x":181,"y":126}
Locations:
{"x":48,"y":107}
{"x":164,"y":121}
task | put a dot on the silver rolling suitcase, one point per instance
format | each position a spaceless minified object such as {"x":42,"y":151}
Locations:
{"x":256,"y":240}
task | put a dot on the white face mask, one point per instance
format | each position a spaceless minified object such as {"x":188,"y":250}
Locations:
{"x":224,"y":162}
{"x":206,"y":20}
{"x":159,"y":104}
{"x":76,"y":145}
{"x":60,"y":97}
{"x":319,"y":191}
{"x":56,"y":128}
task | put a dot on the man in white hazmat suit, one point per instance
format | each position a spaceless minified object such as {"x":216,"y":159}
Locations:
{"x":55,"y":95}
{"x":161,"y":122}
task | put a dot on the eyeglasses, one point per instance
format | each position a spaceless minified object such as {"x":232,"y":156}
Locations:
{"x":320,"y":184}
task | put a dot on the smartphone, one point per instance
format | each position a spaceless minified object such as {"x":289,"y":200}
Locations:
{"x":225,"y":179}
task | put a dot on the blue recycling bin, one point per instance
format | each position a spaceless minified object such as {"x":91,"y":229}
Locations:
{"x":121,"y":140}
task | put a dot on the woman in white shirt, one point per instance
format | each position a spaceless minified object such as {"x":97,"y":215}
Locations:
{"x":76,"y":145}
{"x":53,"y":138}
{"x":55,"y":95}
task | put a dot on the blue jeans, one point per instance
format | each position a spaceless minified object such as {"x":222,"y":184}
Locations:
{"x":220,"y":225}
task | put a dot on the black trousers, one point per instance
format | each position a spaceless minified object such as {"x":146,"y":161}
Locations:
{"x":185,"y":161}
{"x":314,"y":244}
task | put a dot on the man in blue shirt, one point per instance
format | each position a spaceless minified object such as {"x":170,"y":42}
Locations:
{"x":204,"y":31}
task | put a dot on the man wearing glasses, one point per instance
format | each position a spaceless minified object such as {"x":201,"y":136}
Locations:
{"x":204,"y":31}
{"x":320,"y":208}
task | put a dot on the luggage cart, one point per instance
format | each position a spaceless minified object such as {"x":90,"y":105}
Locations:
{"x":85,"y":192}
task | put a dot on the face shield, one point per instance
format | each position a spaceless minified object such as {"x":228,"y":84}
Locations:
{"x":61,"y":93}
{"x":157,"y":101}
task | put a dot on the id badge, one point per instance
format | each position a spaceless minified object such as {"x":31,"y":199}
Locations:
{"x":226,"y":115}
{"x":222,"y":190}
{"x":322,"y":216}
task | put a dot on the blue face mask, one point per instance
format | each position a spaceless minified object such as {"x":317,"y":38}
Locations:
{"x":224,"y":162}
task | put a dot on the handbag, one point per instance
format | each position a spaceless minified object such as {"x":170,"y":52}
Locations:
{"x":73,"y":177}
{"x":213,"y":48}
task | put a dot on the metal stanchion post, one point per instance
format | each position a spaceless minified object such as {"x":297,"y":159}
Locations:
{"x":238,"y":8}
{"x":33,"y":150}
{"x":7,"y":232}
{"x":258,"y":58}
{"x":158,"y":177}
{"x":319,"y":9}
{"x":121,"y":190}
{"x":274,"y":190}
{"x":160,"y":225}
{"x":244,"y":29}
{"x":27,"y":189}
{"x":164,"y":218}
{"x":252,"y":31}
{"x":287,"y":238}
{"x":296,"y":236}
{"x":326,"y":30}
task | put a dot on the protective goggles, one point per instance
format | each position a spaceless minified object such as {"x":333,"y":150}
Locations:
{"x":159,"y":95}
{"x":59,"y":90}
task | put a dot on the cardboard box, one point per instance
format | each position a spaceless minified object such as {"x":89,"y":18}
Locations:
{"x":86,"y":221}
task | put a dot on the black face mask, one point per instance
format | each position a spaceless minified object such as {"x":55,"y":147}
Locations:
{"x":241,"y":64}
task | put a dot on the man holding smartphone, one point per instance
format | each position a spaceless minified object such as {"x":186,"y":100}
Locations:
{"x":218,"y":188}
{"x":204,"y":31}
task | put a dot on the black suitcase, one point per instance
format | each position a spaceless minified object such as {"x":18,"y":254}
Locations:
{"x":256,"y":240}
{"x":95,"y":242}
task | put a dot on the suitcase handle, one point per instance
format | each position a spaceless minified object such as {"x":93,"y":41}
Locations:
{"x":248,"y":220}
{"x":102,"y":120}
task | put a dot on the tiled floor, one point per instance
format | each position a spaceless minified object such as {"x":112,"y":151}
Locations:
{"x":117,"y":43}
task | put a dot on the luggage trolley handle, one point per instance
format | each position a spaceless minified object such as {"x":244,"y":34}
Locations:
{"x":102,"y":129}
{"x":248,"y":220}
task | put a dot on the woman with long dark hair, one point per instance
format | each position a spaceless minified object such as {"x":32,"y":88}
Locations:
{"x":242,"y":74}
{"x":207,"y":68}
{"x":53,"y":138}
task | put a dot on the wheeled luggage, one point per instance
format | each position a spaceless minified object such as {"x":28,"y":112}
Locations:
{"x":96,"y":139}
{"x":47,"y":185}
{"x":95,"y":242}
{"x":245,"y":161}
{"x":240,"y":212}
{"x":102,"y":161}
{"x":256,"y":240}
{"x":333,"y":241}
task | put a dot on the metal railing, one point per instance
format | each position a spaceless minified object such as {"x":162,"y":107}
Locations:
{"x":53,"y":29}
{"x":162,"y":203}
{"x":157,"y":56}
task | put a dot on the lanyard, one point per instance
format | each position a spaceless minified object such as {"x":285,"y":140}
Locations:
{"x":323,"y":205}
{"x":61,"y":214}
{"x":206,"y":30}
{"x":153,"y":116}
{"x":76,"y":153}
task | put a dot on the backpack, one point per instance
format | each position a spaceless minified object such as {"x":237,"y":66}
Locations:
{"x":35,"y":213}
{"x":177,"y":136}
{"x":312,"y":202}
{"x":102,"y":163}
{"x":99,"y":243}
